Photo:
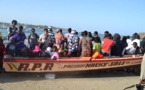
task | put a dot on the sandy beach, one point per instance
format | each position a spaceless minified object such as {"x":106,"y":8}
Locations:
{"x":116,"y":80}
{"x":92,"y":80}
{"x":112,"y":80}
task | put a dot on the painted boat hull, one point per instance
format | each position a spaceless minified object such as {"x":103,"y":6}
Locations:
{"x":68,"y":64}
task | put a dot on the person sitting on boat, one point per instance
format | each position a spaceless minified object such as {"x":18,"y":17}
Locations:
{"x":106,"y":33}
{"x":73,"y":42}
{"x":136,"y":38}
{"x":96,"y":45}
{"x":82,"y":35}
{"x":11,"y":47}
{"x":33,"y":39}
{"x":80,"y":48}
{"x":67,"y":35}
{"x":12,"y":30}
{"x":37,"y":51}
{"x":85,"y":44}
{"x":117,"y":48}
{"x":49,"y":49}
{"x":2,"y":53}
{"x":137,"y":49}
{"x":124,"y":44}
{"x":52,"y":36}
{"x":19,"y":40}
{"x":134,"y":50}
{"x":55,"y":54}
{"x":90,"y":35}
{"x":96,"y":36}
{"x":59,"y":38}
{"x":44,"y":39}
{"x":97,"y":48}
{"x":107,"y":44}
{"x":128,"y":40}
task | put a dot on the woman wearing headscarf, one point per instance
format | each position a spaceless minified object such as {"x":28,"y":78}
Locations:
{"x":58,"y":38}
{"x":117,"y":48}
{"x":86,"y":45}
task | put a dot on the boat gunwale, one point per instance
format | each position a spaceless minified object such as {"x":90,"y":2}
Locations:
{"x":72,"y":59}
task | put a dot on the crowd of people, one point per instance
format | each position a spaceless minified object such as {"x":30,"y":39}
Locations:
{"x":69,"y":44}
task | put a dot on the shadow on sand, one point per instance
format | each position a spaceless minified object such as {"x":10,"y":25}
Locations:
{"x":18,"y":77}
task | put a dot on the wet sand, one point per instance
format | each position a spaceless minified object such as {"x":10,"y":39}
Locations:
{"x":116,"y":80}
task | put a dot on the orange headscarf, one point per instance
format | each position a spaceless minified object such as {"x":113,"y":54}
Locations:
{"x":58,"y":33}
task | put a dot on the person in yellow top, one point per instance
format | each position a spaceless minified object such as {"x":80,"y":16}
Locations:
{"x":97,"y":45}
{"x":0,"y":35}
{"x":97,"y":49}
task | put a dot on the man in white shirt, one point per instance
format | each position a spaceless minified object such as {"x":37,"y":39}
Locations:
{"x":135,"y":39}
{"x":44,"y":39}
{"x":128,"y":40}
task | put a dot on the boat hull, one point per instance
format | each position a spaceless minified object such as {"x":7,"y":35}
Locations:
{"x":68,"y":64}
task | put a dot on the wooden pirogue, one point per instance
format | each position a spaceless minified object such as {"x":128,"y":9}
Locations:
{"x":43,"y":64}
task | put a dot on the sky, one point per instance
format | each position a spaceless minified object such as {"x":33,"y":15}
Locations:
{"x":116,"y":16}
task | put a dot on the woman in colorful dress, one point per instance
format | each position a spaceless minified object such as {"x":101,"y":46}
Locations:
{"x":58,"y":38}
{"x":85,"y":44}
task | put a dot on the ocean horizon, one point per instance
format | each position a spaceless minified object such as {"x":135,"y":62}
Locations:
{"x":38,"y":31}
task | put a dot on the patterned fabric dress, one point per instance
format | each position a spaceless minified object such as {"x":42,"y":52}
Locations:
{"x":73,"y":42}
{"x":86,"y":46}
{"x":58,"y":39}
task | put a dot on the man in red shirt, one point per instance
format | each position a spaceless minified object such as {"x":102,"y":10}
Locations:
{"x":2,"y":53}
{"x":107,"y":43}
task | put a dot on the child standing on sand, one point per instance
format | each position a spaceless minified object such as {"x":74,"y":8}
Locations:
{"x":2,"y":53}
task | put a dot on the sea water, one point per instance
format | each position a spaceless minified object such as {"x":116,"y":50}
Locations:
{"x":38,"y":31}
{"x":27,"y":32}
